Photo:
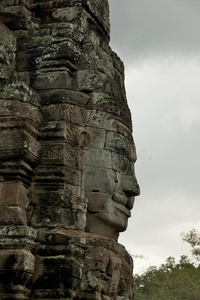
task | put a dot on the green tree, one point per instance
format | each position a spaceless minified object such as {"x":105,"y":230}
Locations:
{"x":171,"y":281}
{"x":193,"y":238}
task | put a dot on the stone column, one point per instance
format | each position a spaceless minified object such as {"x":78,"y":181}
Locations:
{"x":20,"y":121}
{"x":67,"y":168}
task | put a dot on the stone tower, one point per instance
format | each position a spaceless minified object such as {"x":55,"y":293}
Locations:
{"x":67,"y":155}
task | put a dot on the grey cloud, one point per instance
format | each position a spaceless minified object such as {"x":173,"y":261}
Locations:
{"x":154,"y":27}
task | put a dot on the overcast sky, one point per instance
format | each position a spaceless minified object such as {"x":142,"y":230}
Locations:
{"x":159,"y":43}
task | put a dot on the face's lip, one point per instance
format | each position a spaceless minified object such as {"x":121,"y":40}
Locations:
{"x":122,"y":208}
{"x":120,"y":202}
{"x":120,"y":198}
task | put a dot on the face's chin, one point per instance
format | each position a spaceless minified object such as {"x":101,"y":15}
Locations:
{"x":106,"y":224}
{"x":117,"y":219}
{"x":109,"y":216}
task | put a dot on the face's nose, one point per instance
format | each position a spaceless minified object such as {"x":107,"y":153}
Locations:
{"x":130,"y":185}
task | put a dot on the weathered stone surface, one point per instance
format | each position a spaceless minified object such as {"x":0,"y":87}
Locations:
{"x":67,"y":179}
{"x":64,"y":96}
{"x":98,"y":271}
{"x":16,"y":261}
{"x":13,"y":193}
{"x":15,"y":15}
{"x":8,"y":47}
{"x":55,"y":80}
{"x":99,"y":179}
{"x":12,"y":215}
{"x":19,"y":91}
{"x":17,"y":237}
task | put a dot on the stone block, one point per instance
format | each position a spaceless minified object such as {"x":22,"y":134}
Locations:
{"x":17,"y":260}
{"x":21,"y":111}
{"x":8,"y":44}
{"x":5,"y":72}
{"x":58,"y":272}
{"x":65,"y":197}
{"x":59,"y":3}
{"x":97,"y":158}
{"x":101,"y":241}
{"x":92,"y":280}
{"x":66,"y":14}
{"x":95,"y":57}
{"x":119,"y":250}
{"x":97,"y":201}
{"x":11,"y":142}
{"x":66,"y":31}
{"x":62,"y":111}
{"x":115,"y":265}
{"x":118,"y":143}
{"x":57,"y":130}
{"x":14,"y":194}
{"x":7,"y":3}
{"x":99,"y":119}
{"x":59,"y":154}
{"x":23,"y":62}
{"x":93,"y":80}
{"x":16,"y":170}
{"x":49,"y":55}
{"x":112,"y":104}
{"x":70,"y":177}
{"x":122,"y":298}
{"x":18,"y":144}
{"x":122,"y":129}
{"x":96,"y":258}
{"x":126,"y":270}
{"x":60,"y":13}
{"x":92,"y":296}
{"x":121,"y":164}
{"x":15,"y":16}
{"x":99,"y":180}
{"x":24,"y":77}
{"x":52,"y":80}
{"x":52,"y":217}
{"x":100,"y":10}
{"x":117,"y":63}
{"x":61,"y":237}
{"x":19,"y":91}
{"x":97,"y":137}
{"x":92,"y":37}
{"x":32,"y":43}
{"x":11,"y":215}
{"x":16,"y":268}
{"x":17,"y":237}
{"x":7,"y":52}
{"x":54,"y":112}
{"x":64,"y":96}
{"x":128,"y":258}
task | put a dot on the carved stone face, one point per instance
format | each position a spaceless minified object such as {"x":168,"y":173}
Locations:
{"x":109,"y":180}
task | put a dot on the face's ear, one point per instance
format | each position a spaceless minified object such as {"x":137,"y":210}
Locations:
{"x":84,"y":138}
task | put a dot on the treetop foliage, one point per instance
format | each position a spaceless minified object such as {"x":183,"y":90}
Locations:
{"x":172,"y":280}
{"x":193,"y":238}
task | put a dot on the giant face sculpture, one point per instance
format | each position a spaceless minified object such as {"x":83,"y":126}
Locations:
{"x":108,"y":158}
